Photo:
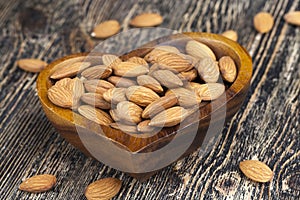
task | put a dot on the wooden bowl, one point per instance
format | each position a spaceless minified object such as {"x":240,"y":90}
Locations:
{"x":82,"y":133}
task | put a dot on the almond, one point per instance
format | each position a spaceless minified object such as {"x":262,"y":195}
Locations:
{"x":31,"y":64}
{"x":208,"y":70}
{"x":263,"y":22}
{"x":227,"y":68}
{"x":167,"y":78}
{"x":105,"y":188}
{"x":114,"y":115}
{"x":97,"y":72}
{"x":129,"y":112}
{"x":38,"y":183}
{"x":293,"y":18}
{"x":121,"y":81}
{"x":115,"y":95}
{"x":169,"y":117}
{"x":96,"y":100}
{"x":149,"y":82}
{"x":169,"y":60}
{"x":256,"y":170}
{"x":231,"y":34}
{"x":153,"y":68}
{"x":210,"y":91}
{"x":66,"y":93}
{"x":95,"y":115}
{"x":140,"y":95}
{"x":168,"y":49}
{"x":124,"y":127}
{"x":137,"y":60}
{"x":159,"y":105}
{"x":106,"y":29}
{"x":146,"y":20}
{"x":97,"y":86}
{"x":130,"y":69}
{"x":199,"y":50}
{"x":69,"y":71}
{"x":186,"y":98}
{"x":144,"y":127}
{"x":110,"y":60}
{"x":188,"y":75}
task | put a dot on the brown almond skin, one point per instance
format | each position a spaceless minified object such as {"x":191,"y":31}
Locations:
{"x":149,"y":82}
{"x":256,"y":170}
{"x":97,"y":72}
{"x":129,"y":112}
{"x":146,"y":20}
{"x":141,"y":95}
{"x":159,"y":105}
{"x":106,"y":29}
{"x":121,"y":81}
{"x":95,"y":115}
{"x":227,"y":68}
{"x":38,"y":183}
{"x":105,"y":188}
{"x":31,"y":64}
{"x":167,"y":78}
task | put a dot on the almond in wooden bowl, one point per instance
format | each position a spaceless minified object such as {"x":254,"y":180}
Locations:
{"x":140,"y":143}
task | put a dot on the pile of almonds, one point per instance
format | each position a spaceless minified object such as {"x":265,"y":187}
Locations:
{"x":141,"y":94}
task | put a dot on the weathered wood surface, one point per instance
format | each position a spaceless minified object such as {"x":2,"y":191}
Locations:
{"x":266,"y":128}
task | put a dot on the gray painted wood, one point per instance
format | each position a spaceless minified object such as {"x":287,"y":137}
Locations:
{"x":266,"y":127}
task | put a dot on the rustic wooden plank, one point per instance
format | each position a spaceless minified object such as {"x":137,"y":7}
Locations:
{"x":266,"y":128}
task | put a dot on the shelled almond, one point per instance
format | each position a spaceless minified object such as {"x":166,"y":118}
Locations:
{"x":143,"y":94}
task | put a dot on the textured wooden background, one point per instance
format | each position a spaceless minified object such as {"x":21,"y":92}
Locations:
{"x":266,"y":128}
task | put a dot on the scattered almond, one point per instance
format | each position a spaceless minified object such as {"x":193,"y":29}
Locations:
{"x":231,"y":34}
{"x":293,"y":18}
{"x":146,"y":20}
{"x":38,"y":183}
{"x":227,"y":68}
{"x":31,"y":64}
{"x":105,"y":188}
{"x":263,"y":22}
{"x":256,"y":170}
{"x":106,"y":29}
{"x":95,"y":115}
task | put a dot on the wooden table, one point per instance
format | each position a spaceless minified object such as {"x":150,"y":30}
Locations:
{"x":266,"y":127}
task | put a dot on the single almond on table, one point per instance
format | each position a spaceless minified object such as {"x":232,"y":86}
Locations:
{"x":66,"y":92}
{"x":149,"y":82}
{"x":122,"y":82}
{"x":69,"y":71}
{"x":105,"y":188}
{"x":263,"y":22}
{"x":96,"y":100}
{"x":227,"y":68}
{"x":210,"y":91}
{"x":256,"y":170}
{"x":38,"y":183}
{"x":115,"y":95}
{"x":167,"y":78}
{"x":159,"y":105}
{"x":97,"y":72}
{"x":31,"y":64}
{"x":129,"y":112}
{"x":106,"y":29}
{"x":130,"y":69}
{"x":199,"y":50}
{"x":293,"y":17}
{"x":95,"y":115}
{"x":208,"y":70}
{"x":141,"y":95}
{"x":231,"y":34}
{"x":146,"y":20}
{"x":170,"y":117}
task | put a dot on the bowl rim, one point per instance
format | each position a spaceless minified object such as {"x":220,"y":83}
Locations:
{"x":242,"y":80}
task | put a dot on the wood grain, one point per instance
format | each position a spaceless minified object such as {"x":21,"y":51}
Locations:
{"x":265,"y":128}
